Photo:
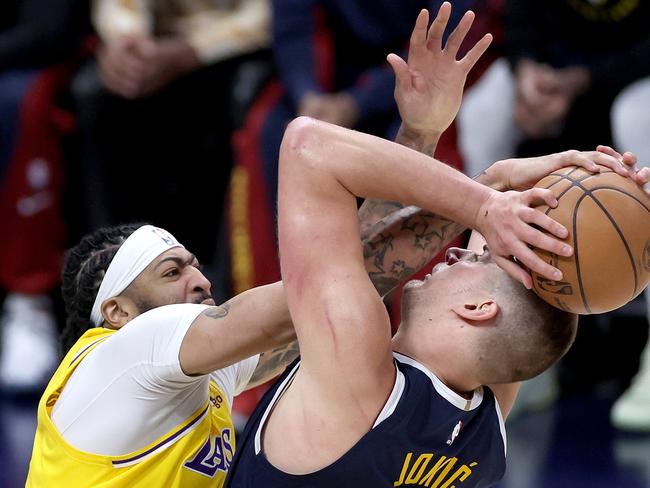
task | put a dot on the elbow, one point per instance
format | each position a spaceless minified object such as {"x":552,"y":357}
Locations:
{"x":301,"y":136}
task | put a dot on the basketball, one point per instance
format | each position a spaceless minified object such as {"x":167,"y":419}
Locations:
{"x":608,"y":219}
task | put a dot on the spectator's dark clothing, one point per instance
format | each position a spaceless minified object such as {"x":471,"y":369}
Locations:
{"x":363,"y":32}
{"x":611,"y":39}
{"x":35,"y":33}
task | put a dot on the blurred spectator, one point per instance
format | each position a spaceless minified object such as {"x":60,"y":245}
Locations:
{"x":38,"y":39}
{"x":631,"y":131}
{"x":568,"y":61}
{"x":156,"y":110}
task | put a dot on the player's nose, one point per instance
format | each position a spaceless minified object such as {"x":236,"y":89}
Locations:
{"x":455,"y":254}
{"x":198,"y":281}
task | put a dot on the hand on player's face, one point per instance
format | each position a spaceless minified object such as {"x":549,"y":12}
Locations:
{"x":510,"y":226}
{"x":429,"y":88}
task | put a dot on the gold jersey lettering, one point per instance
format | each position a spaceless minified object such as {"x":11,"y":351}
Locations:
{"x":444,"y":465}
{"x":405,"y":466}
{"x":461,"y":474}
{"x":413,"y":472}
{"x":418,"y":468}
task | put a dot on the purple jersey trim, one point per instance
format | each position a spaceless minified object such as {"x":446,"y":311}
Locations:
{"x":164,"y":441}
{"x":86,"y":348}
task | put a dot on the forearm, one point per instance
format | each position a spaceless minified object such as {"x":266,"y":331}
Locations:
{"x":372,"y":211}
{"x":272,"y":363}
{"x":371,"y":167}
{"x":255,"y":321}
{"x":402,"y":242}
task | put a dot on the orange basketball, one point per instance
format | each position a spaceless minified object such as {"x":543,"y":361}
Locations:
{"x":608,"y":219}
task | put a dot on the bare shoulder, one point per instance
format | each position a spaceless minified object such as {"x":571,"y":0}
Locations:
{"x":322,"y":424}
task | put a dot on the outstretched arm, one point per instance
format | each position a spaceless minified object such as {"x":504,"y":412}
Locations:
{"x":428,"y":94}
{"x":399,"y":240}
{"x":428,"y":91}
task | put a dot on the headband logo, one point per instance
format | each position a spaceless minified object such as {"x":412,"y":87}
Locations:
{"x":164,"y":235}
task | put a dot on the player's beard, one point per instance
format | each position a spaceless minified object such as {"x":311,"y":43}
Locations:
{"x":145,"y":305}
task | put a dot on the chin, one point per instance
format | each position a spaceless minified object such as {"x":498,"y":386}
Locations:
{"x":413,"y":284}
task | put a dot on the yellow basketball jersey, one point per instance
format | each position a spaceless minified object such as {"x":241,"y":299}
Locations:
{"x":198,"y":452}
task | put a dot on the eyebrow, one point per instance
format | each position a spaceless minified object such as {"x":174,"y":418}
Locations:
{"x":178,"y":261}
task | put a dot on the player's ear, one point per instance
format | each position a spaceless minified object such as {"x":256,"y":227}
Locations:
{"x":118,"y":311}
{"x":479,"y":311}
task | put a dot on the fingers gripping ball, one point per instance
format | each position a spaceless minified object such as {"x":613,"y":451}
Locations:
{"x":608,"y":218}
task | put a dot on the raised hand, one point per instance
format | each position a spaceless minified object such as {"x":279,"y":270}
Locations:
{"x":429,"y":88}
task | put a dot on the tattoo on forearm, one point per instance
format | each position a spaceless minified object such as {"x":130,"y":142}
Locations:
{"x":217,"y":312}
{"x":272,"y":363}
{"x":421,"y":236}
{"x":372,"y":211}
{"x":386,"y":227}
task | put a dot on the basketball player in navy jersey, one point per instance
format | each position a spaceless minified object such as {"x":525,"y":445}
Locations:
{"x":426,"y":407}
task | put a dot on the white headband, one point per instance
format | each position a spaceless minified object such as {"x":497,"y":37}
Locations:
{"x":133,"y":256}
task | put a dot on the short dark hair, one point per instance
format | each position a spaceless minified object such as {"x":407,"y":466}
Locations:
{"x":83,"y":272}
{"x":530,"y":337}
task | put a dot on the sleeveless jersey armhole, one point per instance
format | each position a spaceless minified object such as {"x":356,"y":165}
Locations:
{"x":502,"y":424}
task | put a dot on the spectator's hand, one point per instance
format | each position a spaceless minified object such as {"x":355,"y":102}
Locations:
{"x":121,"y":67}
{"x":539,"y":107}
{"x":510,"y":224}
{"x":571,"y":82}
{"x":522,"y":174}
{"x":165,"y":60}
{"x":312,"y":105}
{"x":337,"y":108}
{"x":535,"y":83}
{"x":429,"y":88}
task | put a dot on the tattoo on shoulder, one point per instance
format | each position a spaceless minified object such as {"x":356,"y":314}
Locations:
{"x":217,"y":312}
{"x":273,"y":362}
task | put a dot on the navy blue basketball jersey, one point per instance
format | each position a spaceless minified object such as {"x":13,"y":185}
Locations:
{"x":426,"y":435}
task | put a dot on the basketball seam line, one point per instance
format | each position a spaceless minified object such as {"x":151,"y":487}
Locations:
{"x":576,"y":251}
{"x":620,"y":235}
{"x":613,"y":188}
{"x":589,"y":192}
{"x":576,"y":183}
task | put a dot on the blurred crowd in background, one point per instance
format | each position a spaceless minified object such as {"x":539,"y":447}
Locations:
{"x":172,"y":111}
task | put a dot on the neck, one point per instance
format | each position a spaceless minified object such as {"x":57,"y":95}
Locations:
{"x":438,"y":358}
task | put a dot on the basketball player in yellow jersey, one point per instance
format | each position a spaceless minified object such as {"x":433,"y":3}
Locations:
{"x":143,"y":396}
